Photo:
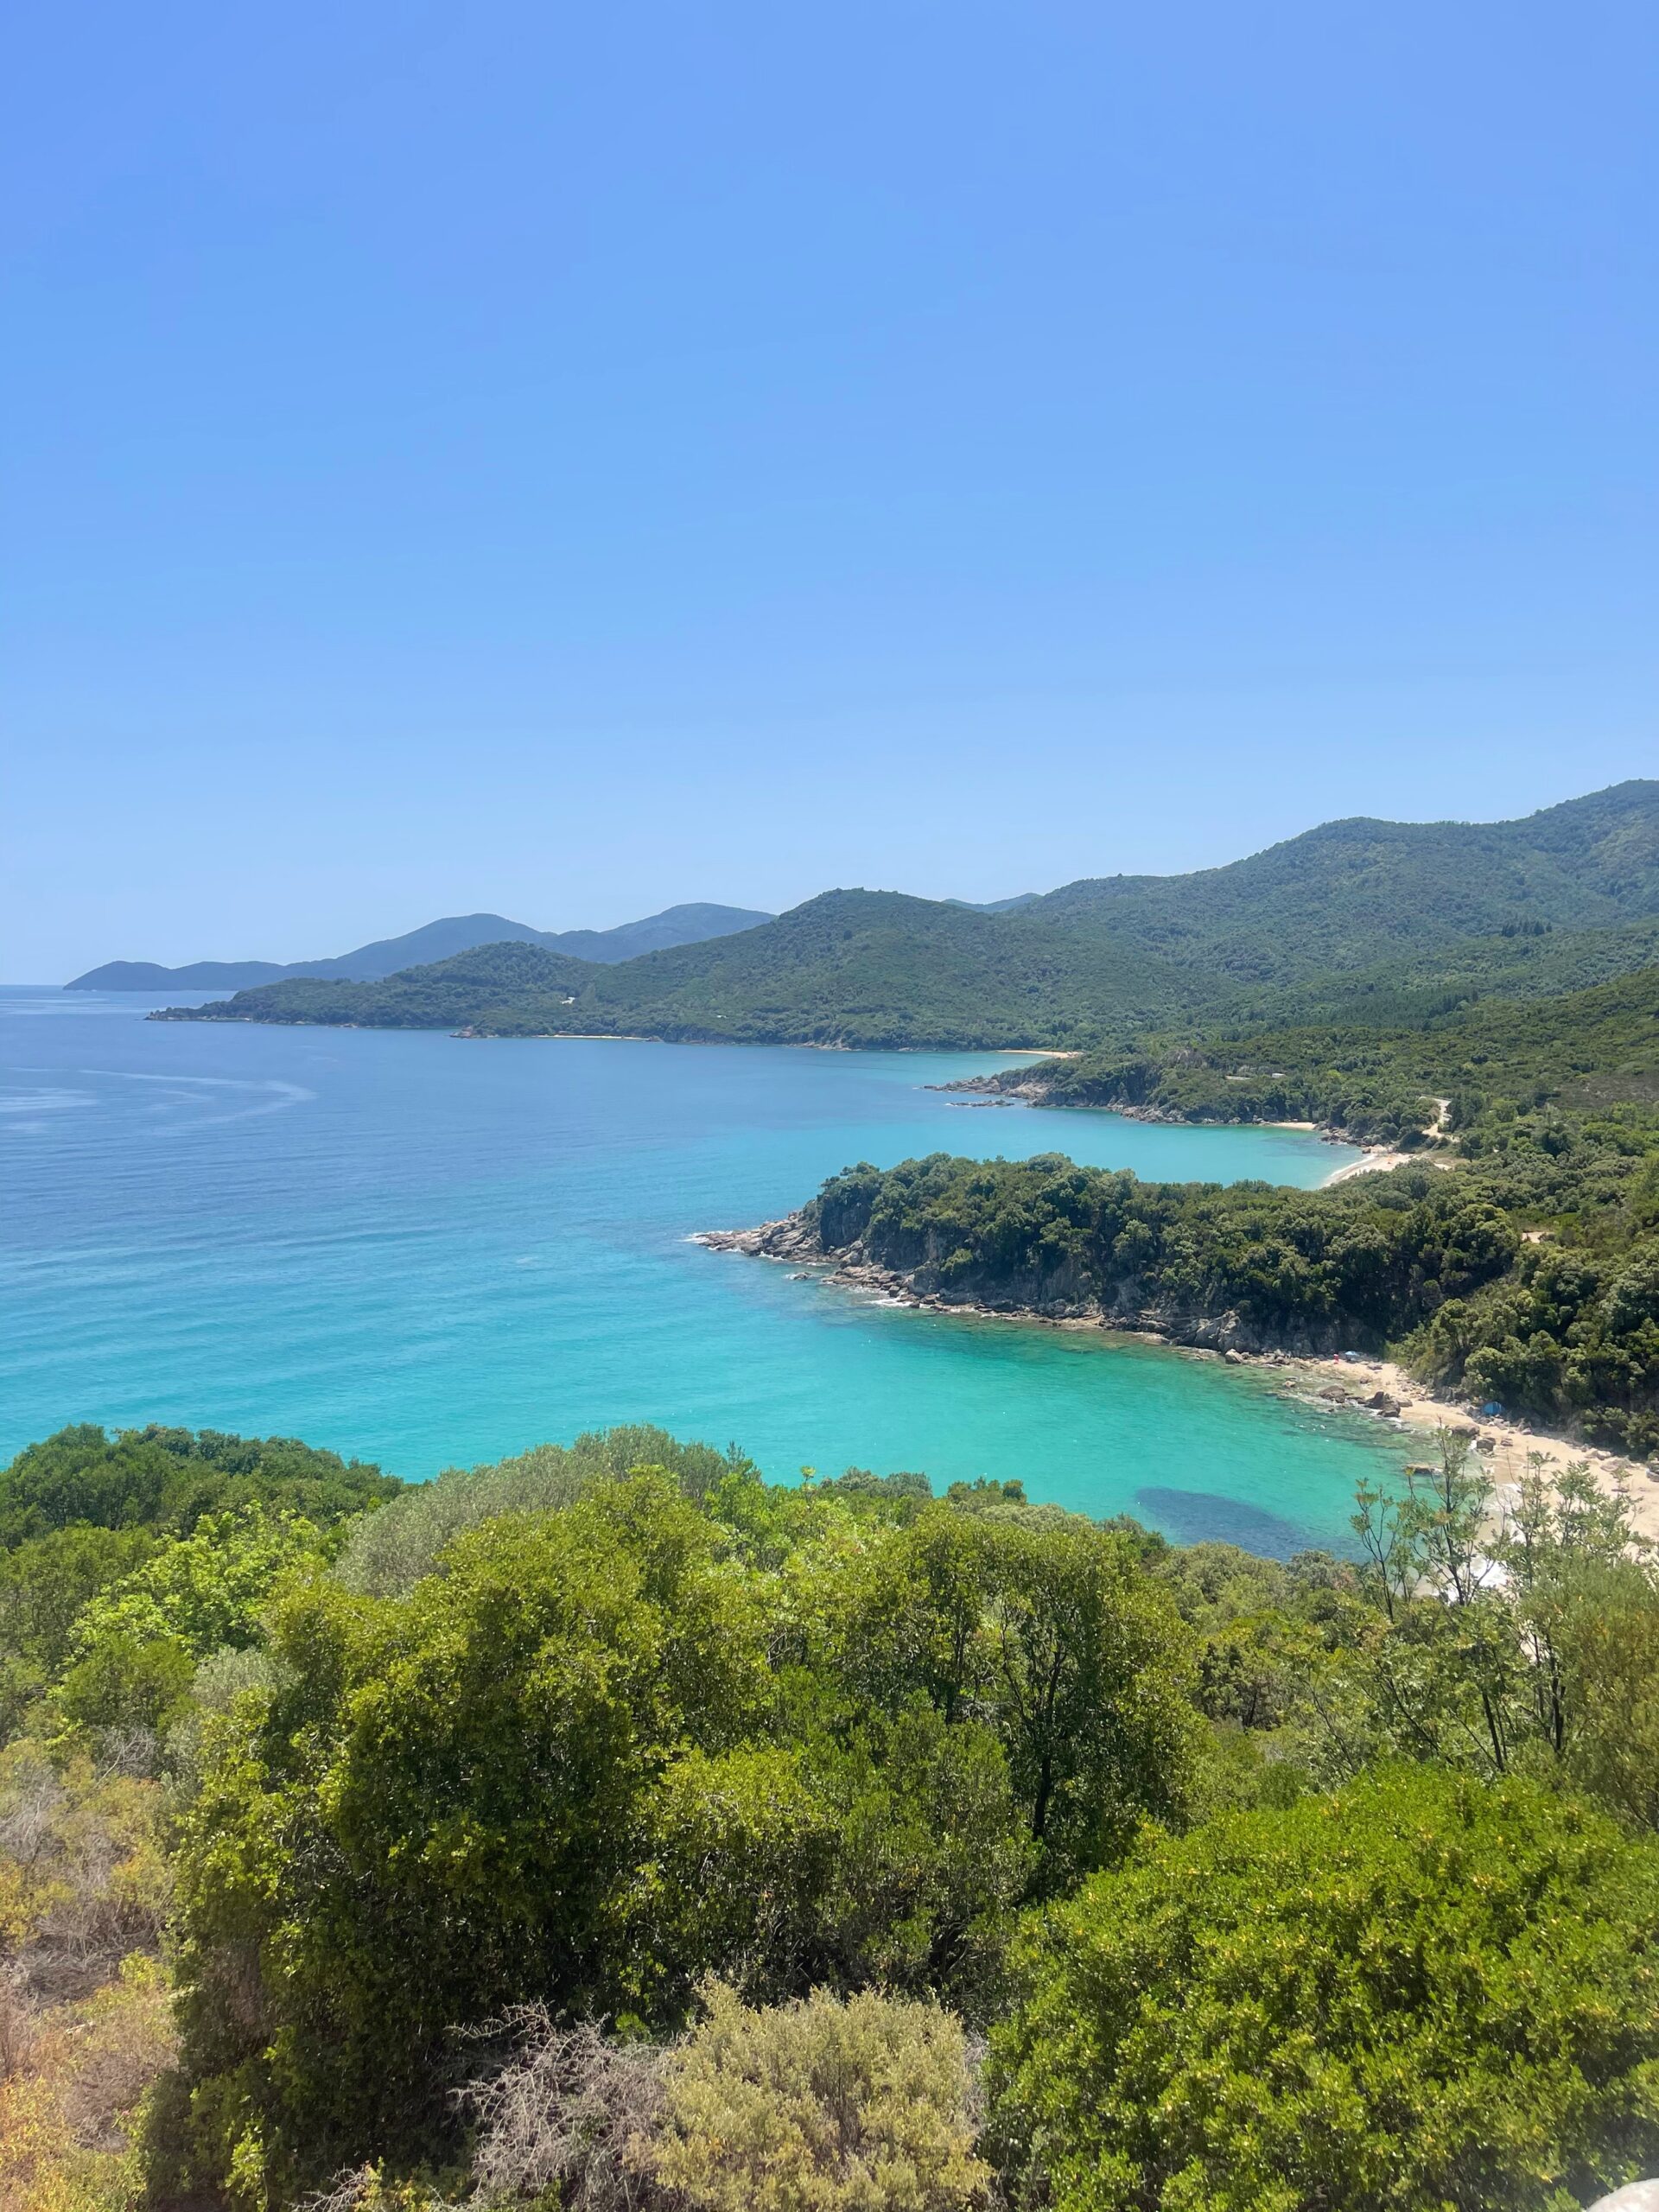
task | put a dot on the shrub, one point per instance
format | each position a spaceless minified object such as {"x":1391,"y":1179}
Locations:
{"x":1427,"y":1992}
{"x":569,"y":2111}
{"x":447,"y":1807}
{"x":821,"y":2105}
{"x":388,"y":1552}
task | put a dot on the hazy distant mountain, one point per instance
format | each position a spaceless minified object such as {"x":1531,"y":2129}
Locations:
{"x":692,"y":924}
{"x":688,"y":925}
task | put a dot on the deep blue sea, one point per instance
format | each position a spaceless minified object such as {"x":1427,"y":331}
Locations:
{"x":428,"y":1252}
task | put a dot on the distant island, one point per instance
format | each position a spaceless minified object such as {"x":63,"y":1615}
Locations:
{"x":687,"y":925}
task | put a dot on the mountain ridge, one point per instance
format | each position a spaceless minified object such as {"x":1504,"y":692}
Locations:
{"x":1349,"y":892}
{"x":1094,"y":964}
{"x":871,"y":969}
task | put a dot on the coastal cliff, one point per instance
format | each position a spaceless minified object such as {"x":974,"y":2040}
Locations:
{"x":1470,"y":1278}
{"x":1059,"y":1294}
{"x":1201,"y":1265}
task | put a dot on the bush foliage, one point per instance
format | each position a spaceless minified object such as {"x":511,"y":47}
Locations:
{"x":1423,"y":1991}
{"x":820,"y":2105}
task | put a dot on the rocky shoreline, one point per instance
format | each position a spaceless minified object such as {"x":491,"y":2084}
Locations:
{"x":1227,"y":1336}
{"x":1342,"y":1381}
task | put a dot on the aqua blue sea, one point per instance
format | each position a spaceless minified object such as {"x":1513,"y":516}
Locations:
{"x":428,"y":1252}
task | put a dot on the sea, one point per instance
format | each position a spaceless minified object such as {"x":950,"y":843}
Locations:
{"x":430,"y":1252}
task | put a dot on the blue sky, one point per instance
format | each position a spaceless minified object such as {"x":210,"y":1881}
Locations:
{"x":568,"y":459}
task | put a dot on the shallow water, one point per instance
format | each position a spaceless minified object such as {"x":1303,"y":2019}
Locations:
{"x":428,"y":1252}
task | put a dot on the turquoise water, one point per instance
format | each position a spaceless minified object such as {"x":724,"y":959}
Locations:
{"x":428,"y":1252}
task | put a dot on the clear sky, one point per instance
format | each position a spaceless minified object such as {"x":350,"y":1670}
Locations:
{"x":570,"y":459}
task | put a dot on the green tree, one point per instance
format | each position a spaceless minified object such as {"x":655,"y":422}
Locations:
{"x":1088,"y":1685}
{"x":453,"y":1804}
{"x":1487,"y":1600}
{"x":45,"y":1584}
{"x":1426,"y":1991}
{"x":1048,"y":1630}
{"x":167,"y":1478}
{"x":1607,"y":1645}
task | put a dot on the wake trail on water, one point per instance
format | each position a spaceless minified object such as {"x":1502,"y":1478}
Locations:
{"x":287,"y":1094}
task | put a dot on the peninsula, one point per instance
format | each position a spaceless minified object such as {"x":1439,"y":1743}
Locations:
{"x":1529,"y":1281}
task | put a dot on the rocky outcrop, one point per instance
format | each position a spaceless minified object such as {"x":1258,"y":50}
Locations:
{"x":1033,"y":1084}
{"x":794,"y":1237}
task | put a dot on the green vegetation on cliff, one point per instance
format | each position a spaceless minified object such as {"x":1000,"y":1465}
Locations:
{"x":1530,"y":1276}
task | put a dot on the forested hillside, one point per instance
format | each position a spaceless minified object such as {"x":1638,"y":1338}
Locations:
{"x":1524,"y":960}
{"x":866,"y":967}
{"x":1368,"y":920}
{"x":463,"y":989}
{"x":1389,"y":1080}
{"x":1351,"y":894}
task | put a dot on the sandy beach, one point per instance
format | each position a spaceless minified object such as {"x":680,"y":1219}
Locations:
{"x":1377,"y":1161}
{"x":1513,"y":1447}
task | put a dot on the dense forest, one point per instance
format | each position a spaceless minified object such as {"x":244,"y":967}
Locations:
{"x":1343,"y":922}
{"x":607,"y":1829}
{"x":1384,"y":1079}
{"x":1350,"y":894}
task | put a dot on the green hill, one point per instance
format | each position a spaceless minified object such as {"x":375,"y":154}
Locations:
{"x":1351,"y":894}
{"x":1529,"y":961}
{"x":447,"y":992}
{"x":852,"y":968}
{"x":1371,"y":922}
{"x":1584,"y":1051}
{"x":440,"y":940}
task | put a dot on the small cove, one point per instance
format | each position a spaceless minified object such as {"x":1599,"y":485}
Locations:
{"x":428,"y":1252}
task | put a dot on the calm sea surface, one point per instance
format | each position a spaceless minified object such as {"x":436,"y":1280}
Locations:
{"x":428,"y":1252}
